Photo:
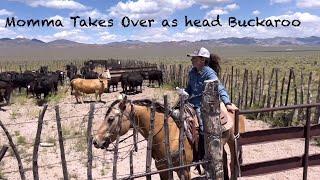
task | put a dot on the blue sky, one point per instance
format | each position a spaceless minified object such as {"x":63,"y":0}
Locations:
{"x":306,"y":11}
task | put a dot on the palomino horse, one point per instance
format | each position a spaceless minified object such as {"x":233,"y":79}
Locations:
{"x":107,"y":133}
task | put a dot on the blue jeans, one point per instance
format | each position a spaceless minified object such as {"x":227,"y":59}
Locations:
{"x":198,"y":111}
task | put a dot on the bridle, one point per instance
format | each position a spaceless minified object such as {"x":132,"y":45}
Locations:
{"x":131,"y":117}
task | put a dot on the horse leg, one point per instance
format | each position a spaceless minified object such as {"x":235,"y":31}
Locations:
{"x":164,"y":176}
{"x":225,"y":165}
{"x":232,"y":145}
{"x":186,"y":173}
{"x":96,"y":95}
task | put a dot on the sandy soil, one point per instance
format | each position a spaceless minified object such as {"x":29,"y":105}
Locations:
{"x":21,"y":122}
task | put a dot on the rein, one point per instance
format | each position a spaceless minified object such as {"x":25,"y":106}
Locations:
{"x":132,"y":120}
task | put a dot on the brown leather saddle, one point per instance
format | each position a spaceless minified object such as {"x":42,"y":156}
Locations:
{"x":191,"y":125}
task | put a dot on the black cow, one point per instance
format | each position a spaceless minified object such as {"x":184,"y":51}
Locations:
{"x":91,"y":75}
{"x":84,"y":70}
{"x":124,"y":82}
{"x":61,"y":76}
{"x":155,"y":75}
{"x":7,"y":76}
{"x":71,"y":71}
{"x":44,"y":85}
{"x":88,"y":73}
{"x":114,"y":82}
{"x":23,"y":79}
{"x":131,"y":80}
{"x":43,"y":70}
{"x":5,"y":91}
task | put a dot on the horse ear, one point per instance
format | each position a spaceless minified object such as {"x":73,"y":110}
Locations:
{"x":122,"y":104}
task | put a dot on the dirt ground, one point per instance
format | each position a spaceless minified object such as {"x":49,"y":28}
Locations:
{"x":21,"y":121}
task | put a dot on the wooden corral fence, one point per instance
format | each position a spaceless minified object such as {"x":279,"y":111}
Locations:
{"x":261,"y":136}
{"x":117,"y":72}
{"x":213,"y":156}
{"x":3,"y":152}
{"x":252,"y":90}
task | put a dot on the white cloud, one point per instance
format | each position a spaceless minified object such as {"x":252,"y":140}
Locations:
{"x":221,"y":11}
{"x":256,"y":12}
{"x":4,"y":12}
{"x":232,"y":7}
{"x":153,"y":35}
{"x":148,"y":8}
{"x":308,"y":3}
{"x":303,"y":17}
{"x":5,"y":32}
{"x":211,"y":2}
{"x":73,"y":35}
{"x":216,"y":11}
{"x":279,"y":1}
{"x":94,"y":13}
{"x":56,"y":4}
{"x":106,"y":37}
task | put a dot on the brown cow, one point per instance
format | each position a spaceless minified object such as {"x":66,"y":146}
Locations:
{"x":90,"y":86}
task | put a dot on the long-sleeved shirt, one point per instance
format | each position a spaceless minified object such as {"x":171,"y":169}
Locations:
{"x":196,"y":85}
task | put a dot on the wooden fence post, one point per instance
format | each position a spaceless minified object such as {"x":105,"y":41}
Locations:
{"x":231,"y":85}
{"x":15,"y":151}
{"x":251,"y":89}
{"x":150,"y":138}
{"x":275,"y":91}
{"x":115,"y":153}
{"x":210,"y":113}
{"x":269,"y":88}
{"x":3,"y":152}
{"x":37,"y":143}
{"x":256,"y":88}
{"x":317,"y":116}
{"x":247,"y":88}
{"x":181,"y":136}
{"x":282,"y":87}
{"x":300,"y":111}
{"x":167,"y":135}
{"x":263,"y":83}
{"x":62,"y":153}
{"x":243,"y":89}
{"x":306,"y":145}
{"x":288,"y":87}
{"x":295,"y":113}
{"x":89,"y":141}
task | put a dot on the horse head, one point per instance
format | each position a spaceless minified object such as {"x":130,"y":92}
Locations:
{"x":116,"y":122}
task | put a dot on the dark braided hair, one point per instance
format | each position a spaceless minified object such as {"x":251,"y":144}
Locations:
{"x":214,"y":63}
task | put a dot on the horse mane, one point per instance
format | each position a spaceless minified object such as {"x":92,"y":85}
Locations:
{"x":141,"y":102}
{"x":148,"y":103}
{"x":111,"y":106}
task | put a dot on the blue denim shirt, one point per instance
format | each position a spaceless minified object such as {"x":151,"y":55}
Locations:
{"x":196,"y":87}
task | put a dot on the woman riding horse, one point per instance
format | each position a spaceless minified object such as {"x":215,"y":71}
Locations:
{"x":124,"y":114}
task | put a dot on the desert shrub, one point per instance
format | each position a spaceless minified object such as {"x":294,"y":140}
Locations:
{"x":21,"y":140}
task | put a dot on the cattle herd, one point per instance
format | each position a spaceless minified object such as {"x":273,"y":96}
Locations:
{"x":43,"y":82}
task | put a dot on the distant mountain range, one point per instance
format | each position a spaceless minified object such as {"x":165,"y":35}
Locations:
{"x":232,"y":41}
